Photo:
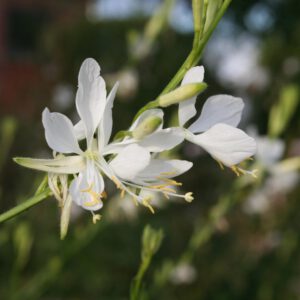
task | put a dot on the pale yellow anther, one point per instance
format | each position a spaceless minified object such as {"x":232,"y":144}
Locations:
{"x":239,"y":171}
{"x":104,"y":195}
{"x":96,"y":198}
{"x":146,"y":203}
{"x":236,"y":170}
{"x":220,"y":164}
{"x":168,"y":190}
{"x":96,"y":217}
{"x":166,"y":195}
{"x":122,"y":193}
{"x":116,"y":182}
{"x":170,"y":181}
{"x":168,"y":173}
{"x":189,"y":197}
{"x":135,"y":201}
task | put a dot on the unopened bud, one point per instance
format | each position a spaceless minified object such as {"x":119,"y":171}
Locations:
{"x":182,"y":93}
{"x":146,"y":127}
{"x":65,"y":217}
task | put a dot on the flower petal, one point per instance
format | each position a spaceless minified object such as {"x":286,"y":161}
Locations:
{"x":155,"y":112}
{"x":59,"y":132}
{"x":219,"y":109}
{"x":225,"y":143}
{"x":162,"y":140}
{"x":86,"y":189}
{"x":187,"y":108}
{"x":91,"y":96}
{"x":79,"y":130}
{"x":105,"y":126}
{"x":193,"y":75}
{"x":130,"y":161}
{"x":62,"y":165}
{"x":166,"y":168}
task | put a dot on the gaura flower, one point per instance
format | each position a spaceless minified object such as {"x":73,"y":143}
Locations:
{"x":148,"y":133}
{"x":215,"y":129}
{"x":132,"y":169}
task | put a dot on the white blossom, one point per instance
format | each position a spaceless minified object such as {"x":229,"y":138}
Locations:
{"x":215,"y":129}
{"x":132,"y":168}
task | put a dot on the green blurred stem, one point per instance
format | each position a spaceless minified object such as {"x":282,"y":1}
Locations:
{"x":36,"y":199}
{"x":200,"y":40}
{"x":136,"y":284}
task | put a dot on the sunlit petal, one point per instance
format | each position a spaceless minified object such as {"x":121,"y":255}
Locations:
{"x":59,"y":132}
{"x":225,"y":143}
{"x":187,"y":108}
{"x":91,"y":96}
{"x":131,"y":160}
{"x":105,"y":126}
{"x":219,"y":109}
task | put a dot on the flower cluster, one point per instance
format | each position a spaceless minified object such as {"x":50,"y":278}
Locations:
{"x":83,"y":153}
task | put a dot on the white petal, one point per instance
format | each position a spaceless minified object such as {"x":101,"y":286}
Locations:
{"x":117,"y":147}
{"x":165,"y":168}
{"x":219,"y":109}
{"x":225,"y":143}
{"x":187,"y":108}
{"x":91,"y":96}
{"x":63,"y":165}
{"x":157,"y":112}
{"x":79,"y":130}
{"x":105,"y":126}
{"x":162,"y":140}
{"x":131,"y":160}
{"x":59,"y":132}
{"x":88,"y":183}
{"x":193,"y":75}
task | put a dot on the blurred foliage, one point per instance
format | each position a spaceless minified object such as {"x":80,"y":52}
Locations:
{"x":212,"y":248}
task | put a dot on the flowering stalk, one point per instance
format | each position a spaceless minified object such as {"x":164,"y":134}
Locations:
{"x":199,"y":40}
{"x":36,"y":199}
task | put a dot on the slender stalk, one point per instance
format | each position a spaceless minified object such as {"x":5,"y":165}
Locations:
{"x":36,"y":199}
{"x":198,"y":44}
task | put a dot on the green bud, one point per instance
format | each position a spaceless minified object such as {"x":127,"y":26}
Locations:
{"x":182,"y":93}
{"x":146,"y":127}
{"x":151,"y":241}
{"x":213,"y":7}
{"x":65,"y":217}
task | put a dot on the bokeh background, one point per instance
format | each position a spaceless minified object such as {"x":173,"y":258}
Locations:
{"x":240,"y":238}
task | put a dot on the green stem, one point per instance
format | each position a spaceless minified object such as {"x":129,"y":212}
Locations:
{"x":25,"y":205}
{"x":136,"y":284}
{"x":198,"y":44}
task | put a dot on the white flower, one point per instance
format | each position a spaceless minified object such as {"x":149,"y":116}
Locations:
{"x":131,"y":169}
{"x":215,"y":129}
{"x":157,"y":141}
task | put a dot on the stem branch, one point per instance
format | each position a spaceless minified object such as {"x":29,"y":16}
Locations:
{"x":25,"y":205}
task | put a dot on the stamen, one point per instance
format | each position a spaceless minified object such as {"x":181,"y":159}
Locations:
{"x":96,"y":217}
{"x":116,"y":182}
{"x":239,"y":171}
{"x":220,"y":164}
{"x":146,"y":203}
{"x":169,"y":181}
{"x":168,"y":173}
{"x":189,"y":197}
{"x":96,"y":198}
{"x":166,"y":195}
{"x":122,"y":193}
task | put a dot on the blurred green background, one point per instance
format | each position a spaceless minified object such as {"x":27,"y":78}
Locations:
{"x":239,"y":238}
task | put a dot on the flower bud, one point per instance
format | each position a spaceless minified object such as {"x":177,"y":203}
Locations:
{"x":182,"y":93}
{"x":146,"y":127}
